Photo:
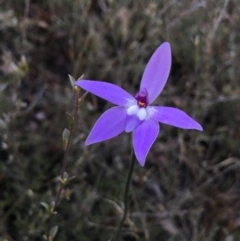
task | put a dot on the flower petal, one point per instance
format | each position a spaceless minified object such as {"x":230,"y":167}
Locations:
{"x":157,"y":71}
{"x":107,"y":91}
{"x":132,"y":122}
{"x":111,"y":123}
{"x":175,"y":117}
{"x":143,"y":138}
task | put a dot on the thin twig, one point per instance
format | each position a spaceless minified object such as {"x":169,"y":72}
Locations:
{"x":25,"y":23}
{"x":64,"y":165}
{"x":215,"y":26}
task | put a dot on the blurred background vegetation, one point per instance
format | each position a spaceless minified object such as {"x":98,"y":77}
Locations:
{"x":189,"y":189}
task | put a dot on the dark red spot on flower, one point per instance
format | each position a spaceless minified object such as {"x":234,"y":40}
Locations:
{"x":142,"y":98}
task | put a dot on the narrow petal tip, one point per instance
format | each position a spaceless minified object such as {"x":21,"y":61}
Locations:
{"x":199,"y":127}
{"x":88,"y":143}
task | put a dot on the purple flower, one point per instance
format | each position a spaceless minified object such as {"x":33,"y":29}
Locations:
{"x":135,"y":113}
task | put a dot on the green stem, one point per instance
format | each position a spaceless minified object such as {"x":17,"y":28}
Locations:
{"x":129,"y":177}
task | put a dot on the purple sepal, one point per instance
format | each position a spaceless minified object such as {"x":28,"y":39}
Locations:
{"x":157,"y":71}
{"x":143,"y":137}
{"x":175,"y":117}
{"x":111,"y":123}
{"x":107,"y":91}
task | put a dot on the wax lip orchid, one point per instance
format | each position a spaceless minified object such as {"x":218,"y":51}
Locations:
{"x":135,"y":113}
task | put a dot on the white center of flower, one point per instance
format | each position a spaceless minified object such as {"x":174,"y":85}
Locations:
{"x":132,"y":110}
{"x":140,"y":112}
